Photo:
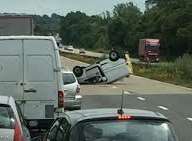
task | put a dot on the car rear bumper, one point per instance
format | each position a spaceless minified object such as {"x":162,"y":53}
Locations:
{"x":71,"y":104}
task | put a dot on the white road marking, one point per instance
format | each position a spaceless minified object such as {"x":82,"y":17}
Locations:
{"x":189,"y":118}
{"x":114,"y":87}
{"x":163,"y":108}
{"x":141,"y":98}
{"x":126,"y":92}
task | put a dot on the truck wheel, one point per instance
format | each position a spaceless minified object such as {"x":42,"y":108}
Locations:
{"x":78,"y":71}
{"x":113,"y":55}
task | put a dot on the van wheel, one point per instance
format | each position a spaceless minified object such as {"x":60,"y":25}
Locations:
{"x":78,"y":71}
{"x":114,"y":56}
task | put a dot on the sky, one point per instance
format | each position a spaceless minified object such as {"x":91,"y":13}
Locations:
{"x":62,"y":7}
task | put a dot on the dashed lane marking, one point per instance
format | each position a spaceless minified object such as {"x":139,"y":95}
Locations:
{"x":163,"y":108}
{"x":126,"y":92}
{"x":190,"y":119}
{"x":141,"y":98}
{"x":114,"y":87}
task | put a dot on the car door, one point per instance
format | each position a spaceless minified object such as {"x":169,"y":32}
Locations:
{"x":40,"y":79}
{"x":11,"y":68}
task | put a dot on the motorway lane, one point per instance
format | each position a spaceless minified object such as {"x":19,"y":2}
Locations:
{"x":176,"y":112}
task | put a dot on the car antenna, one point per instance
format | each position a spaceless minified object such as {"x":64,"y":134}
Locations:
{"x":120,"y":111}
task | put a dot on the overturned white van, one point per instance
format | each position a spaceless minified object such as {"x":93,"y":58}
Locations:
{"x":105,"y":71}
{"x":30,"y":71}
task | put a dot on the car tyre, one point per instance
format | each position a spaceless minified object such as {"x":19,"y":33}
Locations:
{"x":78,"y":71}
{"x":114,"y":56}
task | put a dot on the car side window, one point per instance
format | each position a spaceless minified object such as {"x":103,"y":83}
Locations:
{"x":62,"y":130}
{"x":53,"y":131}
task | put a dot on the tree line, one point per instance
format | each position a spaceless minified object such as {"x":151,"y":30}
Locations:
{"x":168,"y":20}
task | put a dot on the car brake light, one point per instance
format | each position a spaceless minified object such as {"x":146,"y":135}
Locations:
{"x":124,"y":117}
{"x":60,"y":99}
{"x":18,"y":133}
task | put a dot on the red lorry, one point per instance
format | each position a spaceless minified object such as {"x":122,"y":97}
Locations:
{"x":149,"y":50}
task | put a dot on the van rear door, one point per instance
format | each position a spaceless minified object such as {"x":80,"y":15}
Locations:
{"x":40,"y":79}
{"x":11,"y":68}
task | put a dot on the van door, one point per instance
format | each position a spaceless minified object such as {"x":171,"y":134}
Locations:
{"x":11,"y":68}
{"x":40,"y":89}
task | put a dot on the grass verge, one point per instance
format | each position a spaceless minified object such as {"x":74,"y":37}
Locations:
{"x":161,"y":73}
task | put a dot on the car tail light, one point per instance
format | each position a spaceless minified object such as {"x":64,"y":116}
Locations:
{"x":18,"y":136}
{"x":60,"y":99}
{"x":78,"y":89}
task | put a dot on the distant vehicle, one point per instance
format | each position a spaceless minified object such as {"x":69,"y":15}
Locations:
{"x":109,"y":125}
{"x":12,"y":125}
{"x":30,"y":71}
{"x":81,"y":51}
{"x":105,"y":71}
{"x":69,"y":48}
{"x":149,"y":50}
{"x":71,"y":87}
{"x":15,"y":24}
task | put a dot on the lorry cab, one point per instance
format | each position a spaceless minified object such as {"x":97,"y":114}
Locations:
{"x":149,"y":50}
{"x":30,"y":71}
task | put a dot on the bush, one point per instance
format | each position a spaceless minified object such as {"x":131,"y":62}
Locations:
{"x":183,"y":66}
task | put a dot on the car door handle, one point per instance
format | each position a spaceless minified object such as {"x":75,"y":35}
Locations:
{"x":30,"y":91}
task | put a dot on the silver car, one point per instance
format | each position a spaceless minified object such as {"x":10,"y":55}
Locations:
{"x":71,"y":87}
{"x":12,"y":125}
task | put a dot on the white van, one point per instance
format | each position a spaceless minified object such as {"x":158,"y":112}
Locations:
{"x":30,"y":71}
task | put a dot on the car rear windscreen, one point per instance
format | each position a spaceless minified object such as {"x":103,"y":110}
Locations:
{"x":125,"y":131}
{"x":68,"y":78}
{"x":6,"y":117}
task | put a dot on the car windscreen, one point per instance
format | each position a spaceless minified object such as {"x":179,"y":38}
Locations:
{"x":123,"y":131}
{"x":6,"y":117}
{"x":68,"y":78}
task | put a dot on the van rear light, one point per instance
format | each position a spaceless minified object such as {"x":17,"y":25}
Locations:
{"x":60,"y":99}
{"x":18,"y":133}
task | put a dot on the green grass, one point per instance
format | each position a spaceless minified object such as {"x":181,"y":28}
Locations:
{"x":161,"y":73}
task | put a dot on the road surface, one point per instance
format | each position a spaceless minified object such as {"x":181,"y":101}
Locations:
{"x":173,"y":101}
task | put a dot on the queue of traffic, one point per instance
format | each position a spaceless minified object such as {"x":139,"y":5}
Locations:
{"x":36,"y":92}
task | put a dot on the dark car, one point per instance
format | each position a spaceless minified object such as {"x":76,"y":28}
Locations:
{"x":108,"y":125}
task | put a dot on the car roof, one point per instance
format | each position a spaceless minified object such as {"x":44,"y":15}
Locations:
{"x":26,"y":37}
{"x":5,"y":100}
{"x":80,"y":115}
